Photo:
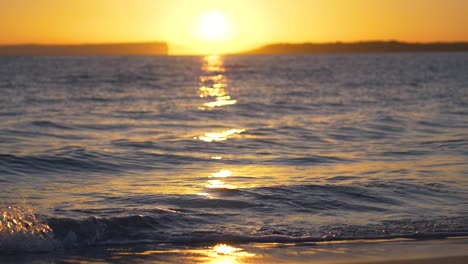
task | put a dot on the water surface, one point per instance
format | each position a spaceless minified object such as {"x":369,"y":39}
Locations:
{"x":183,"y":150}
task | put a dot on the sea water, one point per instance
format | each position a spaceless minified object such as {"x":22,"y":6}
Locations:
{"x":178,"y":151}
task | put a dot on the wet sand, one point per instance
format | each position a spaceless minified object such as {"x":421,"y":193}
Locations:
{"x":401,"y":251}
{"x":445,"y":260}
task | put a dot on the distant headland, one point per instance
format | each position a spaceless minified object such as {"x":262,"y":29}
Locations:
{"x":358,"y":47}
{"x":143,"y":48}
{"x":162,"y":48}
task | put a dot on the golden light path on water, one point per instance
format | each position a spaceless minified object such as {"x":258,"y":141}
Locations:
{"x":219,"y":136}
{"x":219,"y":184}
{"x":221,"y":101}
{"x":224,"y":254}
{"x":217,"y":254}
{"x":222,"y":174}
{"x":213,"y":84}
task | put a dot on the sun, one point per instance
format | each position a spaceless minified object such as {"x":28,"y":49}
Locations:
{"x":212,"y":27}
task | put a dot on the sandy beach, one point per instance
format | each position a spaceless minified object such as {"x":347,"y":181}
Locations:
{"x":452,"y":250}
{"x":400,"y":251}
{"x":453,"y":260}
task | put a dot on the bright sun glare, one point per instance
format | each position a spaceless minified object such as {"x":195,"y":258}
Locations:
{"x":212,"y":26}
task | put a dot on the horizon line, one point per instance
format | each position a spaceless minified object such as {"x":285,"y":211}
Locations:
{"x":168,"y":45}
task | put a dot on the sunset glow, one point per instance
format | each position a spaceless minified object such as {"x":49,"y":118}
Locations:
{"x":214,"y":26}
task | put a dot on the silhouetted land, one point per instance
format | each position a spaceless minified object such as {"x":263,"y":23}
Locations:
{"x":359,"y":47}
{"x":147,"y":48}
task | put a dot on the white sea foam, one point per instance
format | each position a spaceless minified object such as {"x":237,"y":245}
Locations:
{"x":22,"y":231}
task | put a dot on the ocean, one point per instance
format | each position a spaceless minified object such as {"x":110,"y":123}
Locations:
{"x":122,"y":153}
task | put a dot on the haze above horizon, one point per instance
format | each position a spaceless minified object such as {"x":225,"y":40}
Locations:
{"x":227,"y":26}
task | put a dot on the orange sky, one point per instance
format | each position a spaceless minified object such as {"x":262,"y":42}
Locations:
{"x":249,"y":23}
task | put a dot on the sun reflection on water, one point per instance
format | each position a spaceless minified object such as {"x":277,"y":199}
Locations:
{"x":219,"y":136}
{"x":218,"y":184}
{"x":222,"y":174}
{"x":217,"y":90}
{"x":224,"y":254}
{"x":214,"y":87}
{"x":218,"y":254}
{"x":225,"y":249}
{"x":221,"y":101}
{"x":213,"y":84}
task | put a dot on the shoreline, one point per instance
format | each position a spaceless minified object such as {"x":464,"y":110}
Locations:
{"x":442,"y":260}
{"x":396,"y":251}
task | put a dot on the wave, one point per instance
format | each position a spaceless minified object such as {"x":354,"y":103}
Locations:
{"x":143,"y":156}
{"x":243,"y":216}
{"x":22,"y":231}
{"x":172,"y":228}
{"x":309,"y":160}
{"x":50,"y":124}
{"x":18,"y":165}
{"x":81,"y":160}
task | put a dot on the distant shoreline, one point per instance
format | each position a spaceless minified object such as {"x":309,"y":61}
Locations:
{"x":138,"y":48}
{"x":357,"y":47}
{"x":162,"y":48}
